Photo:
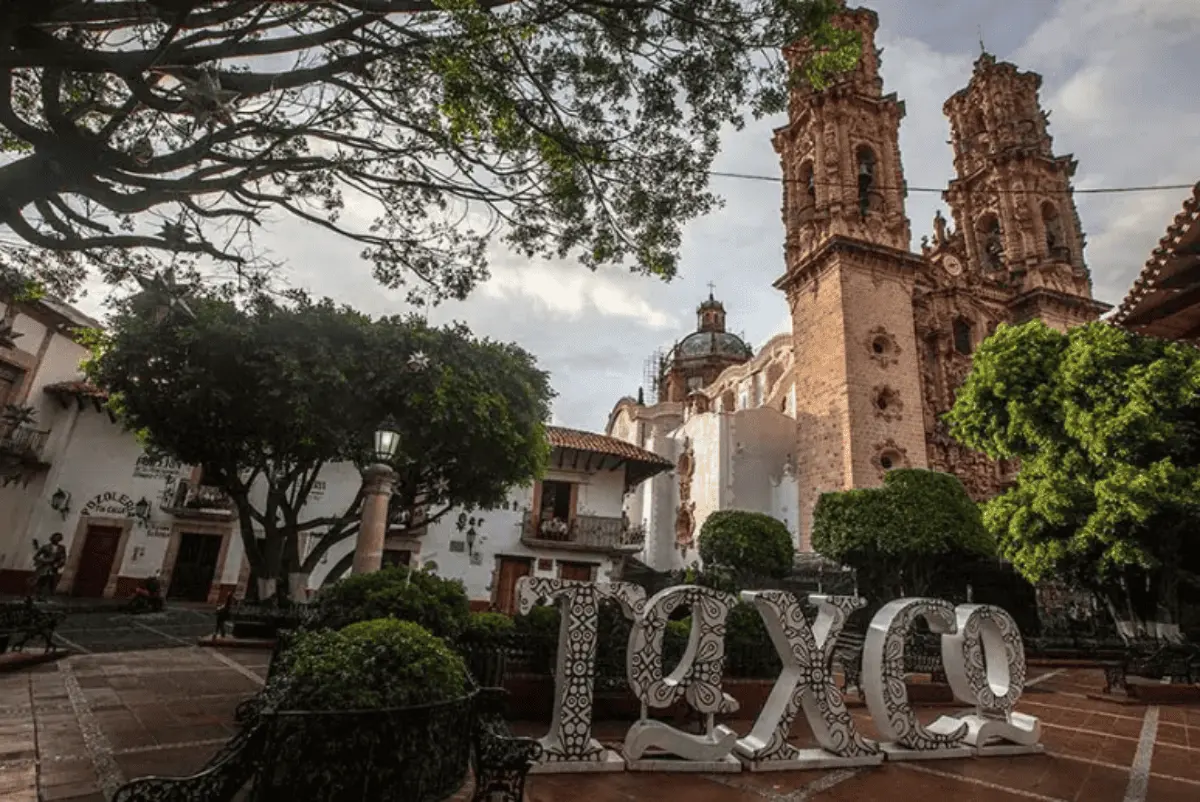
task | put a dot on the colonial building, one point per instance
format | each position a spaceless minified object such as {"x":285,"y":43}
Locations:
{"x":68,"y":466}
{"x":1165,"y":299}
{"x":881,"y":335}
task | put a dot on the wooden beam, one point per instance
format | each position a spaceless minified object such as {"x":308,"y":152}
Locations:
{"x":1171,"y":306}
{"x":617,"y":464}
{"x":575,"y":464}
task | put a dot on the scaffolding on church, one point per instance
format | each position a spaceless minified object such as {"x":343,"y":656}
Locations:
{"x":652,"y":373}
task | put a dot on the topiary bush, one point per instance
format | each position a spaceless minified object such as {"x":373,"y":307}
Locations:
{"x":353,"y":713}
{"x":370,"y":665}
{"x":439,"y":605}
{"x":746,"y":544}
{"x":485,"y":644}
{"x":914,"y":532}
{"x":487,"y":630}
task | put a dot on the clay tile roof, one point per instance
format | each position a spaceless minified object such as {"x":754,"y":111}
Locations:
{"x":79,"y":389}
{"x":602,"y":444}
{"x":1168,"y":259}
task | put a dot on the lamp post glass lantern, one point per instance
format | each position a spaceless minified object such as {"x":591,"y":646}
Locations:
{"x":387,"y":441}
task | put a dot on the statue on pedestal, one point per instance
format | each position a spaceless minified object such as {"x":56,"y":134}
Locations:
{"x":48,"y":562}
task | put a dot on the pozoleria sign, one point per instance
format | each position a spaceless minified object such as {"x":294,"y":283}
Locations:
{"x":982,"y":653}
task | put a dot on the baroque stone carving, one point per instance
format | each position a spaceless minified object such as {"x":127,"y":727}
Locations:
{"x":569,"y":741}
{"x":888,"y":455}
{"x":685,"y":519}
{"x":881,"y":344}
{"x":887,"y":403}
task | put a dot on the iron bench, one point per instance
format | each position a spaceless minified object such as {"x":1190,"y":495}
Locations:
{"x":22,"y":622}
{"x":847,"y":654}
{"x":261,"y":620}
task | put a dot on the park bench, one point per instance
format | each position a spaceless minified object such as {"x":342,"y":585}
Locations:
{"x":1176,"y":662}
{"x":499,"y":760}
{"x":847,"y":654}
{"x":923,"y":655}
{"x":21,"y":622}
{"x":258,"y":620}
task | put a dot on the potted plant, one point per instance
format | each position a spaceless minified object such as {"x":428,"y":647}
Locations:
{"x":378,"y":711}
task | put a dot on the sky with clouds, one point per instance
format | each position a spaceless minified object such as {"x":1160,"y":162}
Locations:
{"x":1119,"y":82}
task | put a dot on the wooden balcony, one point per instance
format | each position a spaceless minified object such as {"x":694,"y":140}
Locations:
{"x":586,"y":533}
{"x":200,"y":502}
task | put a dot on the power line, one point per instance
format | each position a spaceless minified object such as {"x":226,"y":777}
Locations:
{"x":939,"y":190}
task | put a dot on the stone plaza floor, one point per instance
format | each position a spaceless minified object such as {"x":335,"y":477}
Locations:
{"x":74,"y":730}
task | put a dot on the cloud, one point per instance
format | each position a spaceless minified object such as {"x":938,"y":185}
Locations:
{"x":1117,"y":84}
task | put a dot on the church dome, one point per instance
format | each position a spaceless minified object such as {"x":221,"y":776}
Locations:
{"x":703,"y":344}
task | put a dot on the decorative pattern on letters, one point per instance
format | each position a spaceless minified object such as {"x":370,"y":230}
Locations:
{"x":806,"y":680}
{"x":697,"y":678}
{"x":988,"y":654}
{"x":570,"y":737}
{"x":883,"y":673}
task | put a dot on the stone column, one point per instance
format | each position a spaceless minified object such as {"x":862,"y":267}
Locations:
{"x":372,"y":532}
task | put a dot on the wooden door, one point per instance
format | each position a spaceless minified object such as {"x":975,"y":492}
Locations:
{"x":580,"y":572}
{"x":96,"y":560}
{"x":510,"y":570}
{"x":195,"y":567}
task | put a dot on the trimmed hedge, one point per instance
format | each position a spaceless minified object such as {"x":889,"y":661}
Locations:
{"x":913,"y":532}
{"x":746,"y":544}
{"x":371,"y":665}
{"x":439,"y":605}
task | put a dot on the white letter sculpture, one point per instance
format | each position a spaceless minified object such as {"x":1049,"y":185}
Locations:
{"x":903,"y":736}
{"x":569,"y":746}
{"x":697,"y":679}
{"x":806,"y":681}
{"x":985,"y":665}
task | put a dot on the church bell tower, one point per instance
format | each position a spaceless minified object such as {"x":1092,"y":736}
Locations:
{"x":1012,"y":197}
{"x":849,"y":280}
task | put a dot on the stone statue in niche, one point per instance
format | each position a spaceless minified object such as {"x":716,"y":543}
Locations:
{"x":569,"y":746}
{"x":697,"y":679}
{"x":831,"y":146}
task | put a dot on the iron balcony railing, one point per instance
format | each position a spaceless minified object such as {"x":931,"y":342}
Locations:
{"x":201,"y":501}
{"x":22,"y":440}
{"x":584,"y":533}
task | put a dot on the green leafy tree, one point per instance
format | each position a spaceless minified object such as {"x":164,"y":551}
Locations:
{"x":415,"y":128}
{"x":747,"y":544}
{"x":1106,"y":425}
{"x":903,"y":537}
{"x":265,"y":397}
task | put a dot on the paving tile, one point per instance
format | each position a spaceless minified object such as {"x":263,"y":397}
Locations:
{"x":1175,"y":761}
{"x":1161,"y":789}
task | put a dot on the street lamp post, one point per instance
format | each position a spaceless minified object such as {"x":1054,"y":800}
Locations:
{"x":378,"y":481}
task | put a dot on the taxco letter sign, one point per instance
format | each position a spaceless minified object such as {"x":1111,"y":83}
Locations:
{"x":982,"y":653}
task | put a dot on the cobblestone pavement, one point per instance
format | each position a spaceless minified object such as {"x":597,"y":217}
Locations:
{"x":76,"y":729}
{"x":100,"y":632}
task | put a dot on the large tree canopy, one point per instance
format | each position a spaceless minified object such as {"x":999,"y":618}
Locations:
{"x":265,"y":397}
{"x":417,"y":128}
{"x":1106,"y":425}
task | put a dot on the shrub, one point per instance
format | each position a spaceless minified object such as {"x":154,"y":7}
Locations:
{"x":439,"y":605}
{"x":487,"y":629}
{"x":921,"y":526}
{"x":746,"y":543}
{"x":370,"y":665}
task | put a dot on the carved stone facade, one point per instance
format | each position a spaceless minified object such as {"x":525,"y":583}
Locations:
{"x":882,"y":337}
{"x":908,"y":324}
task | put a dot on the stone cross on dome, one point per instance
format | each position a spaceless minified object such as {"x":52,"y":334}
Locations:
{"x":712,"y":288}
